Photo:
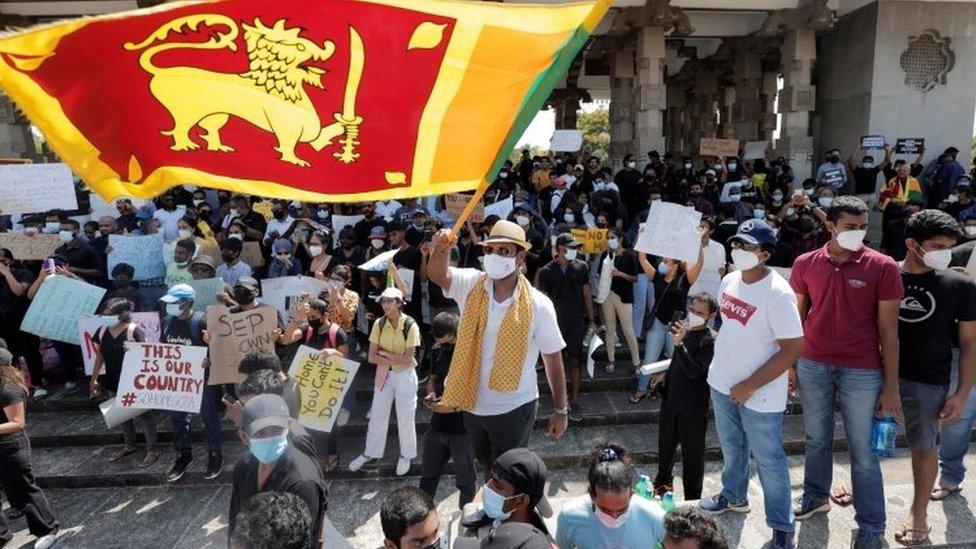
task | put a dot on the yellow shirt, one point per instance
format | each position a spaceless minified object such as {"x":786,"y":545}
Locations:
{"x":390,"y":338}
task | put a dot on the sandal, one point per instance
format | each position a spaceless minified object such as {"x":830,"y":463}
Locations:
{"x":149,"y":460}
{"x":908,"y":536}
{"x":331,"y":462}
{"x":941,"y":492}
{"x":842,"y":496}
{"x":122,"y":453}
{"x":634,"y":399}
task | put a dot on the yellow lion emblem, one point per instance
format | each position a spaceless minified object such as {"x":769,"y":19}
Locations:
{"x":271,"y":95}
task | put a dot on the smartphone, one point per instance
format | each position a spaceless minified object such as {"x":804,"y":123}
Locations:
{"x":48,"y":265}
{"x":676,"y":318}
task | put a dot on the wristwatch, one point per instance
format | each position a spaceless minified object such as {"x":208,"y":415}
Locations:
{"x":564,"y":411}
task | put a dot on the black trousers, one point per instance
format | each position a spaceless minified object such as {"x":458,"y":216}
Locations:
{"x":492,"y":436}
{"x":688,"y":429}
{"x":438,"y":448}
{"x":22,"y":491}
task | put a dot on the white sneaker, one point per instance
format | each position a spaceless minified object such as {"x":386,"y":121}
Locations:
{"x":358,"y":463}
{"x":44,"y":542}
{"x":40,"y":393}
{"x":403,"y":466}
{"x":70,"y":385}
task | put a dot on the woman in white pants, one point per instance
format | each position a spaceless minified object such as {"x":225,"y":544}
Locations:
{"x":392,"y":342}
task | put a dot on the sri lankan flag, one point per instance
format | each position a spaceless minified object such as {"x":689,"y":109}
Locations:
{"x":317,"y":100}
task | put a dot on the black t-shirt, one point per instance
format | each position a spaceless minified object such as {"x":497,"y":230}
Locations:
{"x":565,"y":288}
{"x":670,"y":297}
{"x":11,"y":305}
{"x":410,"y":258}
{"x":12,"y":394}
{"x":83,"y":256}
{"x":625,"y":262}
{"x":687,"y":383}
{"x":440,"y":364}
{"x":180,"y":332}
{"x":927,"y":323}
{"x":468,"y":255}
{"x":318,"y":340}
{"x":865,"y":179}
{"x":113,"y":353}
{"x":255,"y":221}
{"x":364,"y":227}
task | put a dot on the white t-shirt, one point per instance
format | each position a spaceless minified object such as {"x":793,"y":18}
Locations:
{"x":709,"y":278}
{"x":280,"y":226}
{"x":544,"y":337}
{"x":754,"y":317}
{"x":387,"y":209}
{"x":168,"y":222}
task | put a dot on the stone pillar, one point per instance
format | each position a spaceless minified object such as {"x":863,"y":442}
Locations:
{"x":747,"y":73}
{"x":650,"y":95}
{"x":767,"y":94}
{"x":796,"y":100}
{"x":566,"y":111}
{"x":16,"y":139}
{"x":621,"y":107}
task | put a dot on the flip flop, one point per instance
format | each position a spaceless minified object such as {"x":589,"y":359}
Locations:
{"x":941,"y":492}
{"x":906,"y":530}
{"x":636,"y":399}
{"x":122,"y":453}
{"x":149,"y":460}
{"x":331,"y":462}
{"x":842,"y":496}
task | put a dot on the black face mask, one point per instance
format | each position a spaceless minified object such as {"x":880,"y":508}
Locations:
{"x":280,"y":214}
{"x":243,"y":296}
{"x":120,"y":282}
{"x":807,"y":225}
{"x":315,"y":323}
{"x":834,"y":159}
{"x":229,"y":256}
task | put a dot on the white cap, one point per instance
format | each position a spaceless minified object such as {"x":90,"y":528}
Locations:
{"x":392,"y":293}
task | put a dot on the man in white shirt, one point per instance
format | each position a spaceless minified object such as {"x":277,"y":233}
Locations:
{"x":168,"y":215}
{"x":761,"y":337}
{"x":499,"y":420}
{"x":279,"y":223}
{"x":711,"y":273}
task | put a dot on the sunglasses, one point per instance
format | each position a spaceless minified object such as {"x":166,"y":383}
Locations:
{"x":739,"y":245}
{"x":501,"y":251}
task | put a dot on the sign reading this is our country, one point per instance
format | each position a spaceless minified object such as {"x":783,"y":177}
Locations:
{"x":232,"y":335}
{"x":323,"y":383}
{"x":161,"y":376}
{"x":28,"y":188}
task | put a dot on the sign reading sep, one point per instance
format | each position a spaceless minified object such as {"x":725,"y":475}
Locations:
{"x":232,"y":335}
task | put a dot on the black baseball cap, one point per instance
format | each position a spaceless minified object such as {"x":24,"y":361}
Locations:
{"x":755,"y":232}
{"x":263,"y":411}
{"x":566,"y":239}
{"x":526,"y":472}
{"x":248,"y":282}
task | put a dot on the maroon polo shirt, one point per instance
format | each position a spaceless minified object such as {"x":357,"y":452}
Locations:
{"x":841,"y":328}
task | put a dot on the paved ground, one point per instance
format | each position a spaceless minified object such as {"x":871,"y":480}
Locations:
{"x":193,"y":516}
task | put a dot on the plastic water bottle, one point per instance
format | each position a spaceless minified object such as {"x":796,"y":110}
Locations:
{"x":883,"y":431}
{"x":667,"y":502}
{"x":644,"y":488}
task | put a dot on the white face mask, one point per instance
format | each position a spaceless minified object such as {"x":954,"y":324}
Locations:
{"x":522,"y":220}
{"x":599,"y":186}
{"x":825,"y":201}
{"x":174,"y":309}
{"x":52,"y":227}
{"x":376,"y":243}
{"x":569,"y":218}
{"x":687,"y":165}
{"x":694,"y":321}
{"x":851,"y":240}
{"x":758,"y":214}
{"x":315,"y":250}
{"x":571,"y":254}
{"x":733,"y":166}
{"x":613,"y":243}
{"x":867,"y":165}
{"x":734,"y":198}
{"x":185,"y":233}
{"x":744,"y":260}
{"x":952,"y":199}
{"x":233,"y":212}
{"x":237,"y":236}
{"x":777,"y":196}
{"x":65,"y":236}
{"x":498,"y":267}
{"x":937,"y":259}
{"x":631,"y":165}
{"x":970,"y":230}
{"x":790,"y":212}
{"x":198,"y":201}
{"x":808,"y":192}
{"x":502,"y":175}
{"x":608,"y":521}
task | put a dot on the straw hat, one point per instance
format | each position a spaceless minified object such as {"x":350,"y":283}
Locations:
{"x":506,"y":232}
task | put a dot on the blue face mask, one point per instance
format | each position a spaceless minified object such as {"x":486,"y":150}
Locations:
{"x":494,"y":504}
{"x":662,"y":268}
{"x":268,"y":450}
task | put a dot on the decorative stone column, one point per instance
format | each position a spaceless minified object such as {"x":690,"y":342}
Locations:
{"x":16,"y":139}
{"x":650,"y":95}
{"x":621,"y":107}
{"x":797,"y":99}
{"x":746,"y":109}
{"x":767,"y":94}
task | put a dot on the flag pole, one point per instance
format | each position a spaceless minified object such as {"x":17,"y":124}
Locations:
{"x":479,"y":193}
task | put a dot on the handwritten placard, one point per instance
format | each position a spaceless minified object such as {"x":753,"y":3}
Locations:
{"x":162,"y":376}
{"x":232,"y":335}
{"x":206,"y":290}
{"x":27,"y":188}
{"x":709,"y":146}
{"x":594,"y":241}
{"x":754,"y":149}
{"x":322,"y":383}
{"x":566,"y":141}
{"x":671,"y":231}
{"x":281,"y":292}
{"x":88,"y":325}
{"x":30,"y":246}
{"x":144,"y":253}
{"x":834,"y":178}
{"x":54,"y":311}
{"x":455,"y":203}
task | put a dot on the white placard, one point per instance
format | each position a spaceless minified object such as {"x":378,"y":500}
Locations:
{"x":754,"y":150}
{"x":501,"y":208}
{"x":671,"y":231}
{"x":595,"y":342}
{"x":89,"y":324}
{"x":115,"y":415}
{"x":161,"y":376}
{"x":277,"y":291}
{"x":29,"y":188}
{"x":380,"y":262}
{"x":566,"y":141}
{"x":339,"y":222}
{"x":655,"y":367}
{"x":143,"y":253}
{"x":407,"y":276}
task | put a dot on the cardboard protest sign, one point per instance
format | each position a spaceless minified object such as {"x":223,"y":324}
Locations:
{"x":671,"y":231}
{"x":281,"y":292}
{"x":709,"y":146}
{"x":144,"y":253}
{"x":207,"y":290}
{"x":566,"y":141}
{"x":754,"y":149}
{"x":252,"y":255}
{"x":501,"y":208}
{"x":322,"y":383}
{"x":873,"y":142}
{"x":455,"y":203}
{"x":834,"y":178}
{"x":30,"y":246}
{"x":339,"y":222}
{"x":27,"y":188}
{"x":89,"y":324}
{"x":909,"y":145}
{"x":594,"y":241}
{"x":162,"y":376}
{"x":54,"y":311}
{"x":232,"y":335}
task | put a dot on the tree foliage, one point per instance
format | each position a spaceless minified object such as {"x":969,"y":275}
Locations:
{"x":595,"y":126}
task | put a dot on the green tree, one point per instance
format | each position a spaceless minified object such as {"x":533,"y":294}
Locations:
{"x":595,"y":126}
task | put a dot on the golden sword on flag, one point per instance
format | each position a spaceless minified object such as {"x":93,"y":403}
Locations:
{"x":347,"y":118}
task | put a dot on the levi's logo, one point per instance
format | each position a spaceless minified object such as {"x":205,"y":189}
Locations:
{"x":856,"y":283}
{"x":735,"y":309}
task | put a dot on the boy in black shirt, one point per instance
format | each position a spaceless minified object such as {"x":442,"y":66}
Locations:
{"x":684,"y":410}
{"x":446,"y":438}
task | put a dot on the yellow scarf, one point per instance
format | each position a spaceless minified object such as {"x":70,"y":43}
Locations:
{"x":461,"y":390}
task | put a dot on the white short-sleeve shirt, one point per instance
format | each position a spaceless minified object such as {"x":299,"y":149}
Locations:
{"x":754,"y":317}
{"x":544,"y":337}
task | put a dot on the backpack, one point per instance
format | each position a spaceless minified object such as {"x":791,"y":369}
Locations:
{"x":407,"y":324}
{"x":196,"y":326}
{"x":333,"y":331}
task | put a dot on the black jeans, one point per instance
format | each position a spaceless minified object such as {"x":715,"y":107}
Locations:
{"x":437,"y":449}
{"x":685,"y":427}
{"x":492,"y":436}
{"x":22,"y":491}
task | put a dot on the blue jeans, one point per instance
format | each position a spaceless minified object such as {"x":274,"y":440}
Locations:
{"x":741,"y":430}
{"x":857,"y":390}
{"x":656,"y":340}
{"x":643,"y":301}
{"x":210,"y":409}
{"x":955,"y":438}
